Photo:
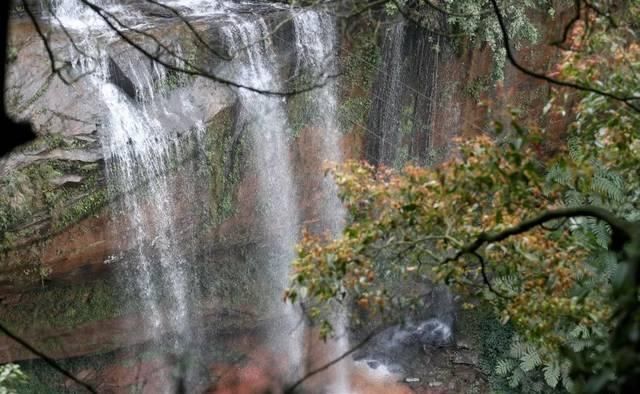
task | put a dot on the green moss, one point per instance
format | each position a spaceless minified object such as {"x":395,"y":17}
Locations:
{"x":84,"y":207}
{"x":225,"y":158}
{"x":359,"y":64}
{"x":65,"y":307}
{"x":299,"y":112}
{"x":361,"y":61}
{"x":354,"y":110}
{"x":478,"y":86}
{"x":28,"y":194}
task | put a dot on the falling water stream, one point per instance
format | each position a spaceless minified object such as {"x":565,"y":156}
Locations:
{"x":316,"y":47}
{"x":265,"y":120}
{"x":146,"y":135}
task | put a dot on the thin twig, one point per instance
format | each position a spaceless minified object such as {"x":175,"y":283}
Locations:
{"x":291,"y":389}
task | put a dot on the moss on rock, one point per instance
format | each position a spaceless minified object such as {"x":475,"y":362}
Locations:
{"x":32,"y":193}
{"x":359,"y":61}
{"x":225,"y":151}
{"x":66,"y":307}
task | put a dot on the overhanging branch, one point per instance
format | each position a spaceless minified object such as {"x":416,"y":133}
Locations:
{"x":630,"y":101}
{"x":621,"y":228}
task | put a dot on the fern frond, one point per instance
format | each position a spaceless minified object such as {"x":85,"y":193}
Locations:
{"x":552,"y":374}
{"x":574,"y":146}
{"x":504,"y":366}
{"x":601,"y":232}
{"x":509,"y":284}
{"x":573,"y":198}
{"x":580,"y":331}
{"x":530,"y":360}
{"x":565,"y":369}
{"x":605,"y":186}
{"x":516,"y":378}
{"x":517,"y":348}
{"x":559,"y":174}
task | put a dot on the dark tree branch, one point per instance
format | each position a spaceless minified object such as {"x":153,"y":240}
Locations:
{"x":485,"y":278}
{"x":572,"y":22}
{"x":66,"y":33}
{"x":556,"y":227}
{"x":45,"y":41}
{"x":107,"y":17}
{"x":627,"y":100}
{"x":622,"y":230}
{"x":119,"y":28}
{"x":51,"y":362}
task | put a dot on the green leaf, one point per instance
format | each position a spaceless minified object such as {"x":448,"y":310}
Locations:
{"x":552,"y":374}
{"x":530,"y":360}
{"x":504,"y":366}
{"x":516,"y":378}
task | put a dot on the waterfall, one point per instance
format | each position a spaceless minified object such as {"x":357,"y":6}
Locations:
{"x":144,"y":140}
{"x":404,"y":93}
{"x":386,"y":107}
{"x":76,"y":16}
{"x":149,"y":132}
{"x":316,"y":47}
{"x":265,"y":120}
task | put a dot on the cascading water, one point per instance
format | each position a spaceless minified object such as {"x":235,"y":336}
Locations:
{"x":265,"y":120}
{"x":143,"y":143}
{"x":144,"y":137}
{"x":386,"y":108}
{"x":316,"y":48}
{"x":403,"y":109}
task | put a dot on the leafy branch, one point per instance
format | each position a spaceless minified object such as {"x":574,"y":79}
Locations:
{"x":629,"y":100}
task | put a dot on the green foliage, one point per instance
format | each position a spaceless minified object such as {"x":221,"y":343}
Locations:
{"x":64,"y":307}
{"x":224,"y":154}
{"x":474,"y":21}
{"x":359,"y":65}
{"x":491,"y":338}
{"x":529,"y":368}
{"x":11,"y":378}
{"x":29,"y":192}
